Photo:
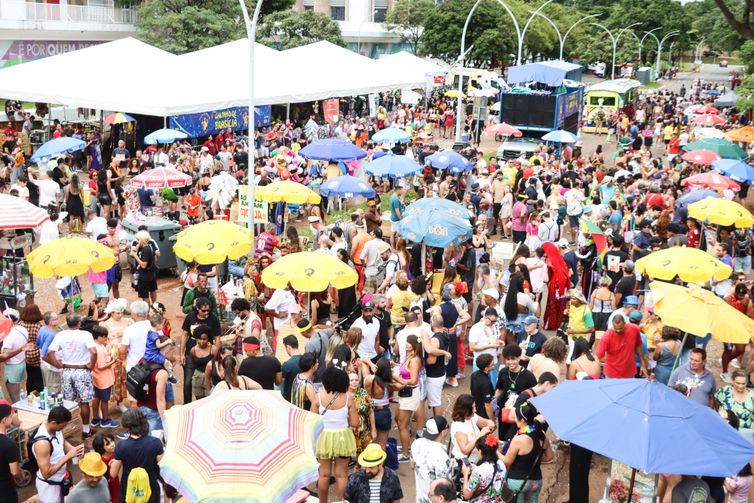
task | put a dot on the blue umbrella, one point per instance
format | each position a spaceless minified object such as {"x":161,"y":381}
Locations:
{"x":391,"y":135}
{"x":694,"y":196}
{"x":346,"y":187}
{"x":164,"y":135}
{"x":392,"y":166}
{"x":735,"y":169}
{"x":560,"y":136}
{"x":449,"y":159}
{"x":713,"y":92}
{"x":645,"y":425}
{"x":430,"y":204}
{"x":435,"y":228}
{"x":332,"y":150}
{"x":57,"y":147}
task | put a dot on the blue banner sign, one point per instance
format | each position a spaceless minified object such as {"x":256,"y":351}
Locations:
{"x":207,"y":123}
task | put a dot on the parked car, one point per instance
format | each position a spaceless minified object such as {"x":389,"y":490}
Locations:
{"x":597,"y":68}
{"x":711,"y":54}
{"x":512,"y":148}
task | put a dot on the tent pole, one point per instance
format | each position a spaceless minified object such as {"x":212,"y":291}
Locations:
{"x":424,"y":258}
{"x":631,"y":485}
{"x":678,"y":356}
{"x":287,"y":112}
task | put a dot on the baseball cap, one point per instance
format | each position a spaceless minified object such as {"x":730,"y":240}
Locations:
{"x":635,"y":317}
{"x":631,"y":300}
{"x":367,"y":305}
{"x":491,"y":292}
{"x":562,"y":243}
{"x":530,"y":319}
{"x":434,"y":426}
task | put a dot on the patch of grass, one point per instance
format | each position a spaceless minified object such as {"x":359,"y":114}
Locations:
{"x":652,"y":85}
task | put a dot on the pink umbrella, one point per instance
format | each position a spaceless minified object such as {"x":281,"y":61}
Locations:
{"x":710,"y":120}
{"x":706,"y":157}
{"x":710,"y":180}
{"x":706,"y":109}
{"x":161,"y":177}
{"x":503,"y":129}
{"x":17,"y":213}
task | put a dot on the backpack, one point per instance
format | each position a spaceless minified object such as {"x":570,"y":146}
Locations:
{"x":137,"y":380}
{"x":32,"y":439}
{"x":137,"y":488}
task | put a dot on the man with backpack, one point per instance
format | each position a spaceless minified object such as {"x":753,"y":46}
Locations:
{"x":49,"y":453}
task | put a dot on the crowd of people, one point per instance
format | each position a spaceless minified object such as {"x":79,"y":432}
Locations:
{"x":386,"y":354}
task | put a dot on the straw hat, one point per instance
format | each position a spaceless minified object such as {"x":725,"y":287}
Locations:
{"x":373,"y":455}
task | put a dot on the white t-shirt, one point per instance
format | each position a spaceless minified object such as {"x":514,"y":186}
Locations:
{"x":470,"y":428}
{"x":48,"y":192}
{"x":17,"y":337}
{"x":369,"y":335}
{"x":281,"y":300}
{"x":96,"y":227}
{"x":135,"y":339}
{"x":72,"y":347}
{"x":402,"y":336}
{"x":574,"y":199}
{"x":482,"y":335}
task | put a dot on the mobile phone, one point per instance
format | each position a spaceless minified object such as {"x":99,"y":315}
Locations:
{"x":466,"y":462}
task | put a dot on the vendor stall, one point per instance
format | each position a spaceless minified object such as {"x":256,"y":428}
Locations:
{"x":15,"y":281}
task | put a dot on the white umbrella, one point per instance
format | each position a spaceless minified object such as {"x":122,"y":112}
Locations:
{"x":707,"y":132}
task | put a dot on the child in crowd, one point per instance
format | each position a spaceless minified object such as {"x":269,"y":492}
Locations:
{"x":155,"y":342}
{"x":103,"y":378}
{"x":104,"y":445}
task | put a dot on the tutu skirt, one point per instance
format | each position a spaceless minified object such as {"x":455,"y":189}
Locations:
{"x":336,"y":444}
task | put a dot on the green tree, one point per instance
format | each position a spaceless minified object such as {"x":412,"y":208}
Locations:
{"x":181,"y":26}
{"x":738,"y":15}
{"x":288,"y":29}
{"x":745,"y":94}
{"x":747,"y":55}
{"x":407,"y":18}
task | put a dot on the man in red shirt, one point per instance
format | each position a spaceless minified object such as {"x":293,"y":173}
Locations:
{"x":619,"y":347}
{"x":266,"y":242}
{"x":674,"y":147}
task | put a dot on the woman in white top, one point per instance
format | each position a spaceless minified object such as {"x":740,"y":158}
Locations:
{"x":466,"y":428}
{"x":336,"y":443}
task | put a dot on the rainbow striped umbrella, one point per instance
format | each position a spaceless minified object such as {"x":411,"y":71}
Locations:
{"x":240,"y":446}
{"x":118,"y":118}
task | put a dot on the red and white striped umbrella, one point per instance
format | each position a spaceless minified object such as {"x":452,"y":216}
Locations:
{"x":710,"y":120}
{"x":161,"y":177}
{"x":17,"y":213}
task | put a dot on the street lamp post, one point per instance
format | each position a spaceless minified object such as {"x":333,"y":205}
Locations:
{"x":251,"y":32}
{"x":614,"y":39}
{"x":554,"y":27}
{"x":698,"y":50}
{"x":670,"y":53}
{"x":459,"y":108}
{"x":650,"y":32}
{"x":568,"y":32}
{"x":659,"y":49}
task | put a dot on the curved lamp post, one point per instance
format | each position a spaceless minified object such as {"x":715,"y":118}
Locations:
{"x":659,"y":49}
{"x":614,"y":39}
{"x":251,"y":33}
{"x":519,"y":37}
{"x":568,"y":32}
{"x":647,"y":34}
{"x":526,"y":27}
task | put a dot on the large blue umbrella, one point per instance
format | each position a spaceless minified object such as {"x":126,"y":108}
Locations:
{"x":346,"y":187}
{"x":436,"y":225}
{"x":449,"y":159}
{"x":645,"y":425}
{"x":735,"y":169}
{"x":391,"y":135}
{"x":164,"y":135}
{"x":430,"y":204}
{"x":332,"y":150}
{"x":693,"y":196}
{"x":57,"y":147}
{"x":393,"y":166}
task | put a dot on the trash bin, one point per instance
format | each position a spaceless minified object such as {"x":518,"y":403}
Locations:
{"x":644,"y":75}
{"x":161,"y":230}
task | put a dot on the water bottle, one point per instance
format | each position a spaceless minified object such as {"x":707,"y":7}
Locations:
{"x":23,"y":395}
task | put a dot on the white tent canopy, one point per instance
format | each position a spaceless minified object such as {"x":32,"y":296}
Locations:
{"x":218,"y":77}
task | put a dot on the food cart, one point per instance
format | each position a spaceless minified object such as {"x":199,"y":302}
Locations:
{"x":16,"y":281}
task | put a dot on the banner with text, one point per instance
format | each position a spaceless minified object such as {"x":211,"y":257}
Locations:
{"x":260,"y":208}
{"x":206,"y":123}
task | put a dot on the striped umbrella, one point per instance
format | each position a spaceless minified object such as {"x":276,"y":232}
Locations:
{"x":240,"y":446}
{"x":17,"y":213}
{"x":159,"y":178}
{"x":118,"y":118}
{"x":709,"y":120}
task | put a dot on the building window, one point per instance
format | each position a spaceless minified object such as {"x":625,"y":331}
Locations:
{"x":380,"y":14}
{"x":308,"y":8}
{"x":338,"y":13}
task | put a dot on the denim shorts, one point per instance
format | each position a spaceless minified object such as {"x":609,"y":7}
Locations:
{"x":382,"y":419}
{"x":153,"y":418}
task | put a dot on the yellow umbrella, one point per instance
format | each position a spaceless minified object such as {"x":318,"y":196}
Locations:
{"x":212,"y":242}
{"x":690,"y":264}
{"x":700,"y":312}
{"x":309,"y":272}
{"x":721,"y":212}
{"x":288,"y":192}
{"x":744,"y":134}
{"x":70,"y":256}
{"x":453,"y":93}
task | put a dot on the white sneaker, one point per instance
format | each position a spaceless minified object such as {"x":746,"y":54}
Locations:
{"x":725,"y":376}
{"x":734,"y":363}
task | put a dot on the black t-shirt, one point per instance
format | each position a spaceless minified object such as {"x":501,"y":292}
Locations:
{"x":385,"y":323}
{"x":262,"y":369}
{"x":514,"y":382}
{"x":626,"y":286}
{"x":192,"y":321}
{"x":58,"y":176}
{"x":8,"y":454}
{"x":536,"y":341}
{"x":482,"y":391}
{"x":614,"y":259}
{"x":146,"y":255}
{"x":468,"y":259}
{"x":33,"y":193}
{"x":437,"y":369}
{"x":140,"y":453}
